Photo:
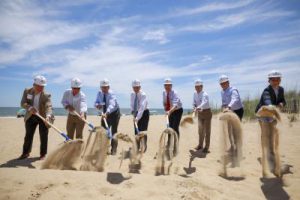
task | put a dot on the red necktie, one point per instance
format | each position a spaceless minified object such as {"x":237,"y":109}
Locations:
{"x":168,"y":104}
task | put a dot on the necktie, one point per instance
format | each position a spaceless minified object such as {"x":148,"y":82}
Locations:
{"x":168,"y":104}
{"x":135,"y":106}
{"x":104,"y":101}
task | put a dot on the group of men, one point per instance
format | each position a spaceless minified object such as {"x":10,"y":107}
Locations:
{"x":36,"y":100}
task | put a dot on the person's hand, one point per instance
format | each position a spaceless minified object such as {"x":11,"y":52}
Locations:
{"x":168,"y":113}
{"x":70,"y":108}
{"x":199,"y":109}
{"x":82,"y":115}
{"x":104,"y":115}
{"x":32,"y":110}
{"x":98,"y":106}
{"x":48,"y":121}
{"x":135,"y":120}
{"x":226,"y":109}
{"x":280,"y":105}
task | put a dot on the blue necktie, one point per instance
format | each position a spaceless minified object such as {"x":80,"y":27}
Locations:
{"x":104,"y":101}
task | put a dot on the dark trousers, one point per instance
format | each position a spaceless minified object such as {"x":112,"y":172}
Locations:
{"x":239,"y":112}
{"x":143,"y":126}
{"x":143,"y":122}
{"x":113,"y":123}
{"x":30,"y":126}
{"x":174,"y":120}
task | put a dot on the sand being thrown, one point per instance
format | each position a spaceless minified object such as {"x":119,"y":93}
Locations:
{"x":73,"y":155}
{"x":95,"y":152}
{"x":230,"y":129}
{"x":167,"y":152}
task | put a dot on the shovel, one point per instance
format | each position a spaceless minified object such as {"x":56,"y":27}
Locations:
{"x":52,"y":126}
{"x":109,"y":134}
{"x":88,"y":123}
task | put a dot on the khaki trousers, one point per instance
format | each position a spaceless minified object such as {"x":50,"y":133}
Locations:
{"x":204,"y":127}
{"x":74,"y":123}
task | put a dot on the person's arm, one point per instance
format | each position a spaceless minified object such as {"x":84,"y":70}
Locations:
{"x":266,"y":98}
{"x":175,"y":102}
{"x":64,"y":100}
{"x":112,"y":103}
{"x":83,"y":105}
{"x":48,"y":105}
{"x":143,"y":105}
{"x":132,"y":96}
{"x":24,"y":103}
{"x":205,"y":101}
{"x":97,"y":103}
{"x":235,"y":98}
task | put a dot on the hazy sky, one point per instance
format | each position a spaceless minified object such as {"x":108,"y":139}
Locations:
{"x":149,"y":40}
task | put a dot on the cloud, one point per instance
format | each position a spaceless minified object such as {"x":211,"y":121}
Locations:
{"x":157,"y":35}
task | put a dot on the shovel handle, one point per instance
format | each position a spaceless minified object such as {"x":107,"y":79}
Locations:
{"x":167,"y":121}
{"x":136,"y":128}
{"x":88,"y":123}
{"x":107,"y":128}
{"x":52,"y":126}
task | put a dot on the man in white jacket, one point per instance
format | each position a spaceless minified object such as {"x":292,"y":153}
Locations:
{"x":139,"y":109}
{"x":74,"y":100}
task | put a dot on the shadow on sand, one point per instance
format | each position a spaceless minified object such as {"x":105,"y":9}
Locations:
{"x":20,"y":163}
{"x":193,"y":155}
{"x":116,"y":178}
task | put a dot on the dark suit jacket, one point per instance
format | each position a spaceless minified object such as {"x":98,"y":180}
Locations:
{"x":45,"y":105}
{"x":268,"y":97}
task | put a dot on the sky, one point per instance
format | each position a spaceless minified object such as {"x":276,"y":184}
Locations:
{"x":123,"y":40}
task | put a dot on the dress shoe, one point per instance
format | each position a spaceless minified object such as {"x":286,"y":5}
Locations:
{"x":23,"y":156}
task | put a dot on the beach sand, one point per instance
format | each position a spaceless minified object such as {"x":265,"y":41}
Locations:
{"x":197,"y":178}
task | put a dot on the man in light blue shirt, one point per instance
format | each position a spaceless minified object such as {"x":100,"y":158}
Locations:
{"x":74,"y":100}
{"x":231,"y":99}
{"x":107,"y":102}
{"x":202,"y":108}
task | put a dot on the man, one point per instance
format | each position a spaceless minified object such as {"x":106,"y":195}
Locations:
{"x":172,"y":105}
{"x":231,"y":99}
{"x":274,"y":93}
{"x":74,"y":100}
{"x":202,"y":108}
{"x":106,"y":100}
{"x":139,"y":110}
{"x":36,"y":100}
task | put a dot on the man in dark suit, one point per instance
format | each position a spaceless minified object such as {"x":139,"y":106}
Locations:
{"x":35,"y":100}
{"x":274,"y":93}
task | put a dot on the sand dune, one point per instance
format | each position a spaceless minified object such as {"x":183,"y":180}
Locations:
{"x":197,"y":177}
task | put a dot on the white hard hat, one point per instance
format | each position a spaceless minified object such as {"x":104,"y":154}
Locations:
{"x":76,"y":83}
{"x":198,"y":82}
{"x":274,"y":74}
{"x":223,"y":78}
{"x":104,"y":82}
{"x":40,"y":80}
{"x":168,"y":81}
{"x":136,"y":83}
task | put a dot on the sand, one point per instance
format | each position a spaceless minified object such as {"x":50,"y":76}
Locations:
{"x":197,"y":177}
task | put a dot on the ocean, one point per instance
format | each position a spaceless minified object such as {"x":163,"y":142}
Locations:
{"x":12,"y":111}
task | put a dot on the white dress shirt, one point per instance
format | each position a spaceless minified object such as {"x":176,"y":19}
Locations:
{"x":78,"y":101}
{"x":111,"y":101}
{"x":174,"y":99}
{"x":142,"y":103}
{"x":201,"y":100}
{"x":36,"y":101}
{"x":231,"y":98}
